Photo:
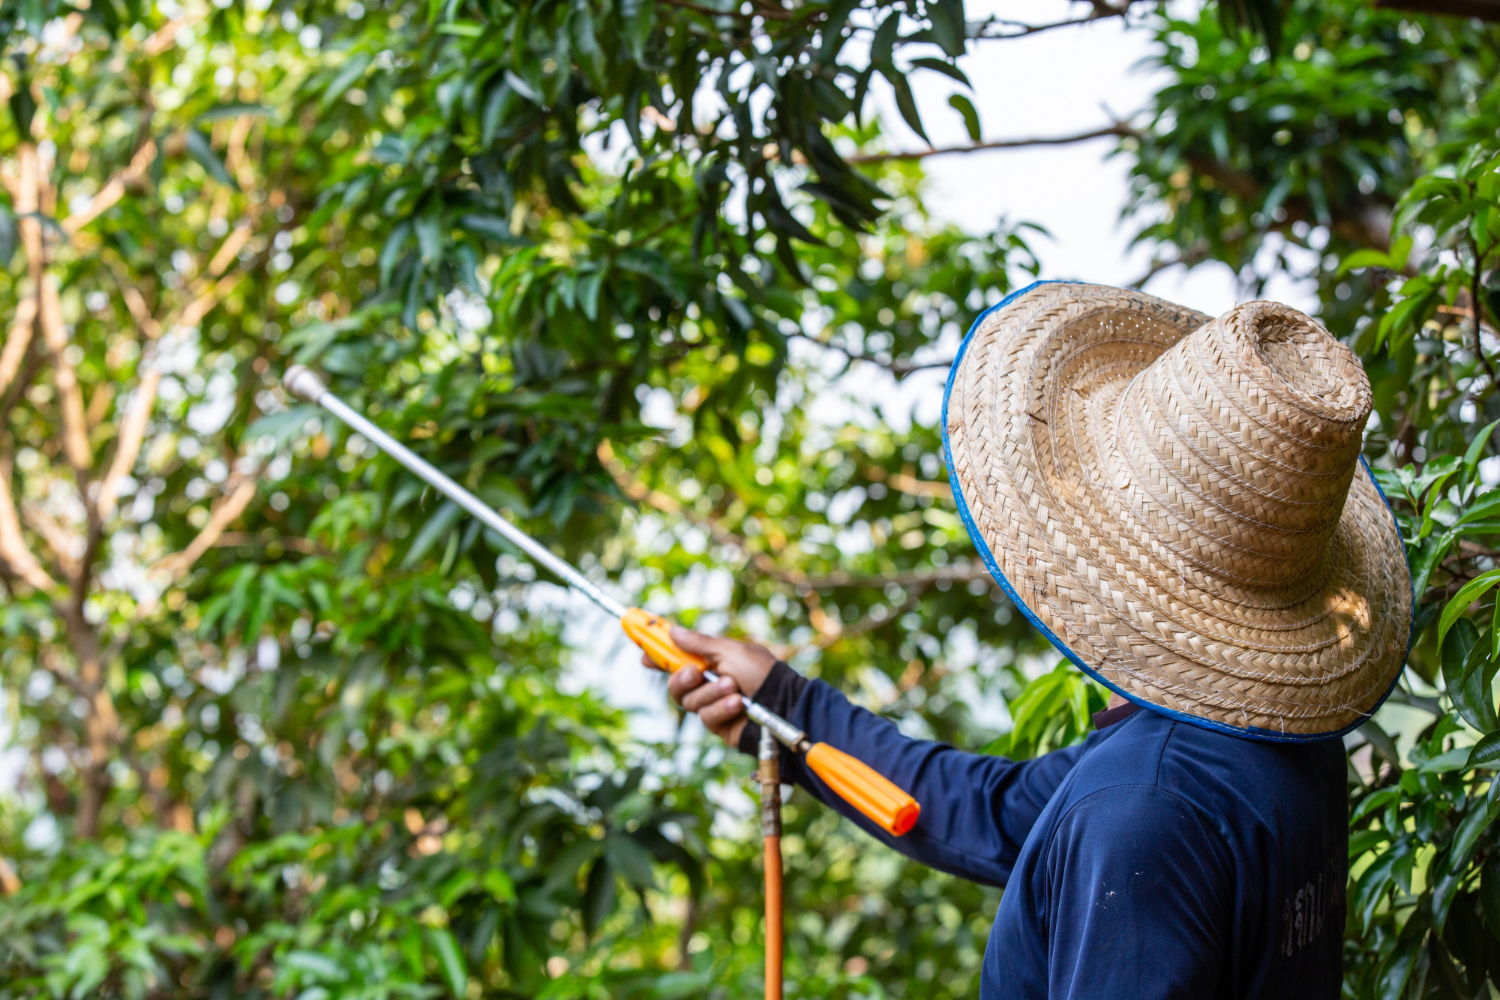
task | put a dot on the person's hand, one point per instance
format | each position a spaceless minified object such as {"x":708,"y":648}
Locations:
{"x":741,"y":666}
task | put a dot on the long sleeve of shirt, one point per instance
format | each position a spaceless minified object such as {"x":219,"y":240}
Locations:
{"x":977,"y":809}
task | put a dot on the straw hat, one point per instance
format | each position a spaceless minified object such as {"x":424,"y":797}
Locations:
{"x":1179,"y":503}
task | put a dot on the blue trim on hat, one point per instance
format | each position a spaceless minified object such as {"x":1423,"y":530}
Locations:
{"x":1249,"y":732}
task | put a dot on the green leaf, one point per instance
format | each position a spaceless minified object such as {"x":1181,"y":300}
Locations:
{"x":1467,"y":673}
{"x":499,"y":885}
{"x":883,"y":45}
{"x":437,"y":526}
{"x":907,"y":104}
{"x":965,"y":107}
{"x":588,"y":292}
{"x":395,"y":246}
{"x":586,"y":44}
{"x":1486,"y":507}
{"x":231,"y":110}
{"x":639,"y":17}
{"x":832,"y":30}
{"x":451,"y":964}
{"x":519,"y":84}
{"x":352,"y":71}
{"x":490,"y":227}
{"x":630,"y":859}
{"x":1486,"y":753}
{"x":1489,"y":893}
{"x":320,"y":967}
{"x":1475,"y":451}
{"x":430,"y":231}
{"x":598,"y":896}
{"x":1467,"y":595}
{"x":200,"y":149}
{"x":947,"y":20}
{"x":939,"y":66}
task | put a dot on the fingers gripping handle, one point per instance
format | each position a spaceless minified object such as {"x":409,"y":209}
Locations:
{"x":653,"y":634}
{"x":860,"y":785}
{"x":854,"y":781}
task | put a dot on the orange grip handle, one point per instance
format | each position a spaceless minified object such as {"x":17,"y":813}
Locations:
{"x":653,"y":634}
{"x":854,"y":781}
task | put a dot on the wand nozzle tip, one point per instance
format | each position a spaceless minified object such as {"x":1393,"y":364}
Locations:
{"x":302,"y":382}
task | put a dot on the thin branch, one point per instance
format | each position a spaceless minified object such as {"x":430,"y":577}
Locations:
{"x":898,"y":369}
{"x":229,"y":507}
{"x":164,"y":37}
{"x":1119,"y":129}
{"x":641,"y":493}
{"x":132,"y":434}
{"x":58,"y":538}
{"x":31,"y":195}
{"x":18,"y":559}
{"x":1483,"y":10}
{"x":911,"y":578}
{"x":1194,"y":254}
{"x":293,"y":543}
{"x":16,"y":344}
{"x":49,"y":662}
{"x":230,"y":248}
{"x":193,"y":313}
{"x":807,"y":586}
{"x":75,"y":423}
{"x":905,"y":482}
{"x":978,"y":30}
{"x":769,"y":13}
{"x":113,"y":189}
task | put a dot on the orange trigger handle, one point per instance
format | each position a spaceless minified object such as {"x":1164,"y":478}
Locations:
{"x":653,"y":634}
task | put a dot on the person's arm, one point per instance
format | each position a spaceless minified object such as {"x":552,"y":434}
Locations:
{"x":1131,"y":898}
{"x":977,"y":809}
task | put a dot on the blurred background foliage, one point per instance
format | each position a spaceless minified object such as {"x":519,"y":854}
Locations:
{"x":283,"y":723}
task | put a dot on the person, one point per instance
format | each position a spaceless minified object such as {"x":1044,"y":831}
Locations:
{"x":1179,"y":505}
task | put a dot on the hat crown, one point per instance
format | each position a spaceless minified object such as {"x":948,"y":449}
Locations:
{"x":1237,"y":445}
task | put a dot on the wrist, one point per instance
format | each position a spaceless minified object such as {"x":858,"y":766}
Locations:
{"x":779,"y":693}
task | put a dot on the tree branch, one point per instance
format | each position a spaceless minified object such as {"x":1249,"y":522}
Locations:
{"x":113,"y":189}
{"x":229,"y":507}
{"x":1194,"y":254}
{"x":898,"y":369}
{"x":74,"y":419}
{"x":132,"y":434}
{"x":979,"y":30}
{"x":1484,"y":10}
{"x":17,"y":557}
{"x":1119,"y":129}
{"x":58,"y":538}
{"x":293,"y":543}
{"x":16,"y":344}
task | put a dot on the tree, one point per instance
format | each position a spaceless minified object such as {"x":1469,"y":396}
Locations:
{"x":327,"y":744}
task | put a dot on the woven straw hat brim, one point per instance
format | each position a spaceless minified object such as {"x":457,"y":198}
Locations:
{"x":1040,"y":482}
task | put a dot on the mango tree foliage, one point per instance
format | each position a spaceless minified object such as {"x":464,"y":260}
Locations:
{"x":612,"y":265}
{"x":292,"y":725}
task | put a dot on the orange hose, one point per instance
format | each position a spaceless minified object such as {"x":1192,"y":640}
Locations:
{"x":769,"y":775}
{"x":773,"y":918}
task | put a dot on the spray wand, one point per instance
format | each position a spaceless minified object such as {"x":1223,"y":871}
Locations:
{"x":886,"y":805}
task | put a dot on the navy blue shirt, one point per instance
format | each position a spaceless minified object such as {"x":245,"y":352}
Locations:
{"x":1155,"y":859}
